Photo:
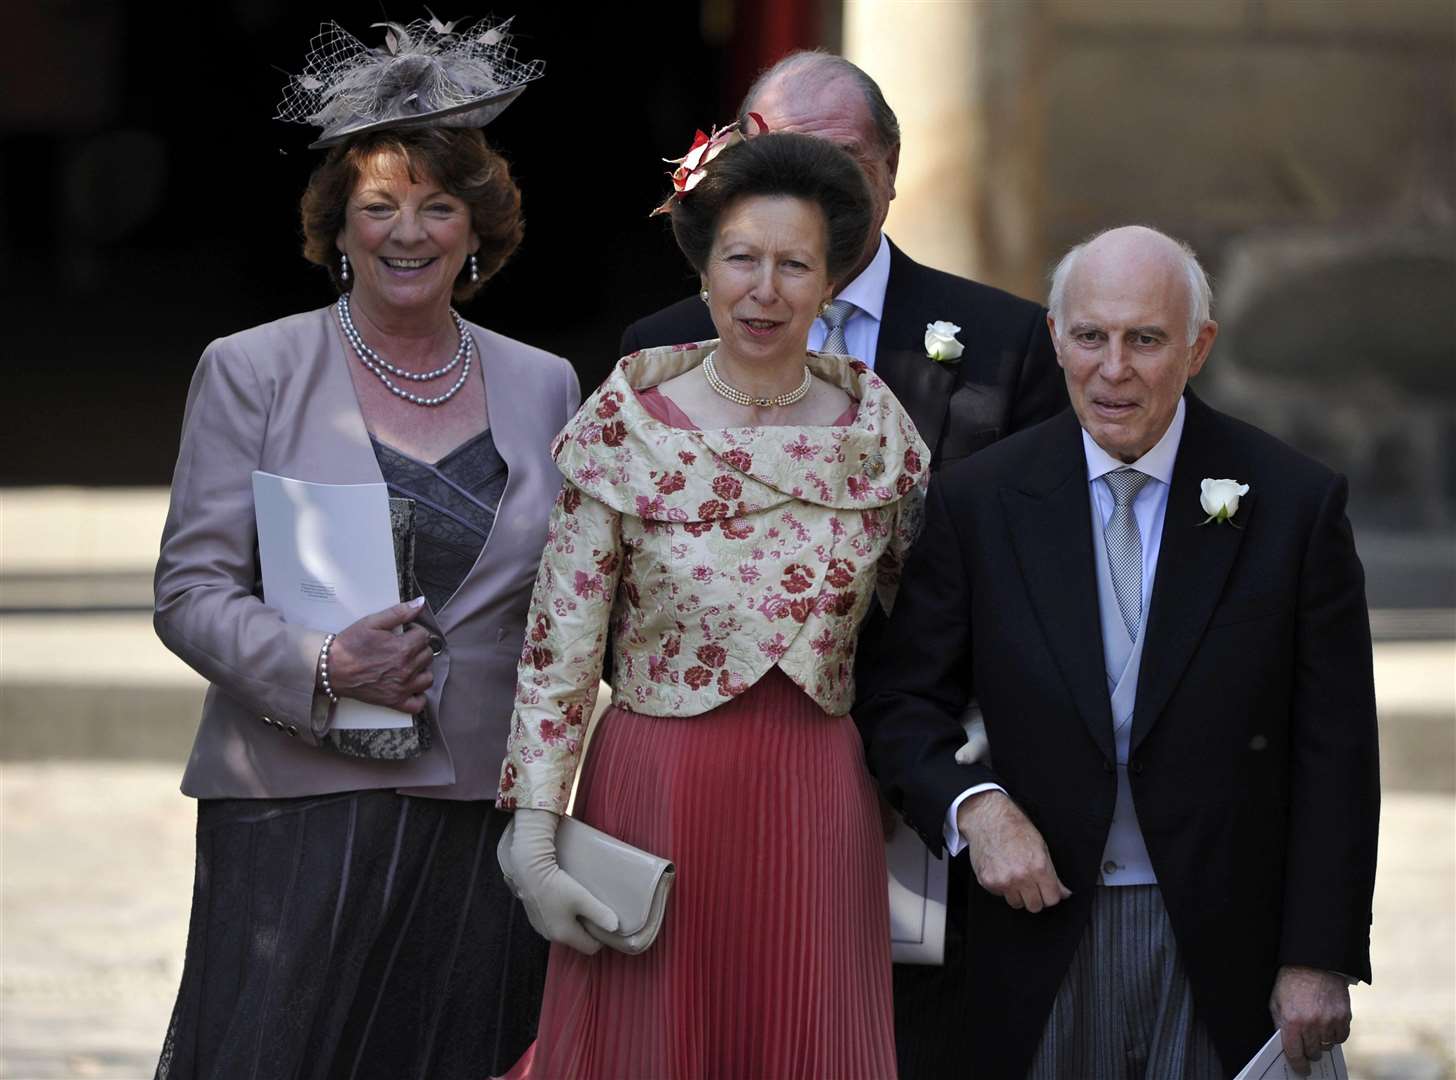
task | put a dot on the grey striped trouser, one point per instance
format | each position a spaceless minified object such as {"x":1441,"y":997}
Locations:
{"x":1125,"y":1009}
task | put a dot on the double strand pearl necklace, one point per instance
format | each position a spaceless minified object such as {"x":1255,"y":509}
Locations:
{"x":383,"y":368}
{"x":738,"y":397}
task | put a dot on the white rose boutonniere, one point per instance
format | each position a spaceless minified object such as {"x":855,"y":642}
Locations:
{"x":940,"y":341}
{"x":1220,"y":499}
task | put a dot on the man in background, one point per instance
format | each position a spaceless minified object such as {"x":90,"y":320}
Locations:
{"x":1005,"y":379}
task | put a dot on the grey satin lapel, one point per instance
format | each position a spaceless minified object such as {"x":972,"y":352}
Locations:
{"x":1194,"y":562}
{"x":509,"y":414}
{"x":1051,"y":531}
{"x":503,"y":401}
{"x":350,"y":434}
{"x":501,"y":411}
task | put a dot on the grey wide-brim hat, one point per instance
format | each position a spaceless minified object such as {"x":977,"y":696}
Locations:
{"x":426,"y":75}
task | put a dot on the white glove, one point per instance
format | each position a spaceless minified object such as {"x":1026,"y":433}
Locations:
{"x":554,"y":900}
{"x":977,"y":746}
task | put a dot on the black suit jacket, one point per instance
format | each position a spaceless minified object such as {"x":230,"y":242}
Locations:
{"x":1007,"y":378}
{"x":1253,"y":760}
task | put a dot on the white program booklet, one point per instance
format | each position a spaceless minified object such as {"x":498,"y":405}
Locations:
{"x":917,"y":899}
{"x":1271,"y":1064}
{"x":918,"y":880}
{"x":328,"y":560}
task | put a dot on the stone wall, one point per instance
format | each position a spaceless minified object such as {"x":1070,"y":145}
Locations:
{"x":1050,"y":119}
{"x":1305,"y":148}
{"x":1210,"y":118}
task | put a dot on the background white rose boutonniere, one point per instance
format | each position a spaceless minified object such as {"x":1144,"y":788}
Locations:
{"x":940,"y":341}
{"x":1220,"y":499}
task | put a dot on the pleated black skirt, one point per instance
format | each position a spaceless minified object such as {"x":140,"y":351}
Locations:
{"x":366,"y":935}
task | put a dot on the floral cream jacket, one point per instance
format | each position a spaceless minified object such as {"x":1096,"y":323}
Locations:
{"x":711,"y":555}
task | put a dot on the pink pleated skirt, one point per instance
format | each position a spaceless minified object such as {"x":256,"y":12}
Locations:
{"x":774,"y":956}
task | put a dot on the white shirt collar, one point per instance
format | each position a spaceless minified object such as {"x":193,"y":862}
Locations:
{"x":867,"y":291}
{"x":1157,"y":462}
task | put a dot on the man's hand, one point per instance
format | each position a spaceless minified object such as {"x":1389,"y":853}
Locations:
{"x":1311,"y":1008}
{"x":1008,"y":855}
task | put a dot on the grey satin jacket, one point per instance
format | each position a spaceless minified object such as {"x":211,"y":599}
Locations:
{"x":279,"y":397}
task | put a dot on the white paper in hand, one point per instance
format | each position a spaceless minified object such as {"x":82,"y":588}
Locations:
{"x":328,"y":560}
{"x":1271,"y":1064}
{"x":918,"y":882}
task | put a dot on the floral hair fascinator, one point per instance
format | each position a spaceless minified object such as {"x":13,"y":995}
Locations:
{"x":427,"y":74}
{"x":693,"y":166}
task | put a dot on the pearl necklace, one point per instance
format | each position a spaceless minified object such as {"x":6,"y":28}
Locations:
{"x":382,"y":368}
{"x":415,"y":376}
{"x":738,"y":397}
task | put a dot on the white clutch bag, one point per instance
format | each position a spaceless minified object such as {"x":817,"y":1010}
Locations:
{"x":632,"y":882}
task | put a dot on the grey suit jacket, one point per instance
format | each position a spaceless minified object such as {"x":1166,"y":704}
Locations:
{"x":278,"y":397}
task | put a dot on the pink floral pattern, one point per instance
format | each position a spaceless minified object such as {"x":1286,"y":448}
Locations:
{"x":712,"y":556}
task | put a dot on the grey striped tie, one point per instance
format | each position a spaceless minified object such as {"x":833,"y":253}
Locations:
{"x":835,"y":316}
{"x":1124,"y":546}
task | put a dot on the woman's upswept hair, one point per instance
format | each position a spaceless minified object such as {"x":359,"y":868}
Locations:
{"x":780,"y":164}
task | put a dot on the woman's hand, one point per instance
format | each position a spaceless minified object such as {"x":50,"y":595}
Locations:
{"x":555,"y":901}
{"x":369,"y":662}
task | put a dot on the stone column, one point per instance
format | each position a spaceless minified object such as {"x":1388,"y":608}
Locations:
{"x":965,"y":80}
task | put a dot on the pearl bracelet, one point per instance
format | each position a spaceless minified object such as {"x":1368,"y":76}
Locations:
{"x":323,"y":669}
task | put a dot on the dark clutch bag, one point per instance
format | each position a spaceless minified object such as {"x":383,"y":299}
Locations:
{"x":392,"y":744}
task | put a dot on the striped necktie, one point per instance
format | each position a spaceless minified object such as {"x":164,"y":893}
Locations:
{"x":835,"y":316}
{"x":1125,"y":546}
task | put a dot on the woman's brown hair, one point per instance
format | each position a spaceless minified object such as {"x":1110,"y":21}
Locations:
{"x":459,"y":159}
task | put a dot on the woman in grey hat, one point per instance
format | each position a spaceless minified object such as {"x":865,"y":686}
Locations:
{"x":348,"y":915}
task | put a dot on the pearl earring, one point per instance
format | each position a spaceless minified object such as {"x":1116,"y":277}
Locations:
{"x":474,"y":269}
{"x":703,"y":296}
{"x":343,"y":268}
